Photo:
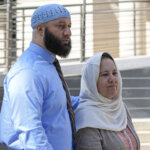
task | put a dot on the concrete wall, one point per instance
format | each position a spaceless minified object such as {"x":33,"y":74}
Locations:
{"x":105,"y":28}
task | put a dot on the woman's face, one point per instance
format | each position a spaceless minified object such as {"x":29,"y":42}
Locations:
{"x":108,"y":79}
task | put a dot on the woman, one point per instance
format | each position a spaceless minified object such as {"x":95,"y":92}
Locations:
{"x":102,"y":119}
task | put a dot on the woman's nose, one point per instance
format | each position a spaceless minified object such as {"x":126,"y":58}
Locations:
{"x":111,"y":78}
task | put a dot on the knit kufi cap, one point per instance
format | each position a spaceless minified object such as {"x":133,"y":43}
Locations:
{"x":48,"y":13}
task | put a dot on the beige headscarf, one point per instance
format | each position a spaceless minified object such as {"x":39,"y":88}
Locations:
{"x":94,"y":110}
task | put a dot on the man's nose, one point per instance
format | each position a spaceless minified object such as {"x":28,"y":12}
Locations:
{"x":67,"y":31}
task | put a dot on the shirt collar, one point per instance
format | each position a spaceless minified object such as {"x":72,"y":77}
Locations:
{"x":42,"y":52}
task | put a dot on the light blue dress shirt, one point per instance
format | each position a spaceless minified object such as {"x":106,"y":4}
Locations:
{"x":34,"y":112}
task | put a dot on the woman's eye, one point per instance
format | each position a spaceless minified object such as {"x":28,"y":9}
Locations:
{"x":105,"y":74}
{"x":115,"y":73}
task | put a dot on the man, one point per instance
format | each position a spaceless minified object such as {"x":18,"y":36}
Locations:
{"x":34,"y":113}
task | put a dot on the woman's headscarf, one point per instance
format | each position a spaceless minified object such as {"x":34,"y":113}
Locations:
{"x":95,"y":110}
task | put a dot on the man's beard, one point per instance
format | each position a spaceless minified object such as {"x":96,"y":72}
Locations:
{"x":55,"y":45}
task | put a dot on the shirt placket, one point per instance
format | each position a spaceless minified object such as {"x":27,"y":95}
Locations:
{"x":128,"y":139}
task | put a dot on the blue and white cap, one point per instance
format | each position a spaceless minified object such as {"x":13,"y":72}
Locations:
{"x":48,"y":13}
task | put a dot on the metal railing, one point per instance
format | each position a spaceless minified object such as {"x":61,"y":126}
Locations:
{"x":120,"y":27}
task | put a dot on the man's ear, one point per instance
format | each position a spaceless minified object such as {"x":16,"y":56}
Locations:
{"x":40,"y":29}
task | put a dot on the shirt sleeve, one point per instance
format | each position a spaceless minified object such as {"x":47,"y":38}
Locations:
{"x":75,"y":101}
{"x":26,"y":93}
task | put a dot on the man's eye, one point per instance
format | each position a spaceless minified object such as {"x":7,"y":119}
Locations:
{"x":61,"y":26}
